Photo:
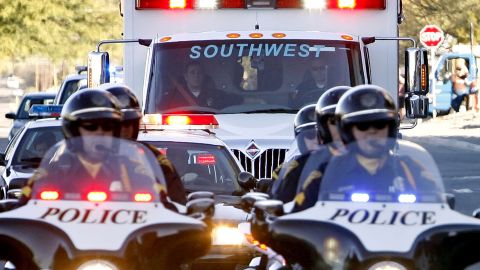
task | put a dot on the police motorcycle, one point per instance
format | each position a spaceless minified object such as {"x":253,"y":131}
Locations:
{"x":99,"y":202}
{"x":375,"y":212}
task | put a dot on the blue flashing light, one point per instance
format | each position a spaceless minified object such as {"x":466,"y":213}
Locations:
{"x":407,"y":198}
{"x":45,"y":110}
{"x":360,"y":197}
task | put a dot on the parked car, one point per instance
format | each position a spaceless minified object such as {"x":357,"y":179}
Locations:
{"x":21,"y":117}
{"x":25,"y":151}
{"x":69,"y":86}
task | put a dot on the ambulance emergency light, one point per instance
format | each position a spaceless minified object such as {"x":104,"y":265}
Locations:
{"x":245,"y":4}
{"x":179,"y":121}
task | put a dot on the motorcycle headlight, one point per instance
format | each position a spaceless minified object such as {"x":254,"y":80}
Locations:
{"x":97,"y":265}
{"x":227,"y":235}
{"x":387,"y":265}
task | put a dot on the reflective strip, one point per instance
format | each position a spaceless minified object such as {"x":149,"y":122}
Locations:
{"x":367,"y":112}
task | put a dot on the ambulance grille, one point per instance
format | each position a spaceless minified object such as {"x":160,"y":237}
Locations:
{"x":263,"y":165}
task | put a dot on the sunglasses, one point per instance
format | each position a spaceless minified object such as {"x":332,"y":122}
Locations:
{"x":376,"y":125}
{"x":105,"y":126}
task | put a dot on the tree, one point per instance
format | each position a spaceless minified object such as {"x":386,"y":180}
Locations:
{"x":453,"y":17}
{"x":62,"y":31}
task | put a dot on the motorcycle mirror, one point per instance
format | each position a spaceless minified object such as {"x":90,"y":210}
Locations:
{"x":202,"y":208}
{"x":14,"y":193}
{"x":249,"y":199}
{"x":200,"y":195}
{"x":476,"y":213}
{"x":263,"y":185}
{"x":450,"y":200}
{"x":8,"y":204}
{"x":247,"y":180}
{"x":273,"y":208}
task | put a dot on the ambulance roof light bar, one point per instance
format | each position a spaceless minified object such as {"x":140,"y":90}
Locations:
{"x":247,"y":4}
{"x":179,"y":121}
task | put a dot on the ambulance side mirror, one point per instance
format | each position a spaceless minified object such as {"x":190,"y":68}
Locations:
{"x":417,"y":83}
{"x":98,"y":71}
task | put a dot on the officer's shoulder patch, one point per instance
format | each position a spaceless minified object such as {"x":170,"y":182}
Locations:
{"x":299,"y":198}
{"x":312,"y":176}
{"x":291,"y":166}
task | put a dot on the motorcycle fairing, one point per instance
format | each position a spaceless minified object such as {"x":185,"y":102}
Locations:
{"x":375,"y":224}
{"x":85,"y":234}
{"x":316,"y":241}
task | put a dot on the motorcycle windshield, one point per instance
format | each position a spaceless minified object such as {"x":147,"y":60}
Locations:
{"x":380,"y":170}
{"x":99,"y":168}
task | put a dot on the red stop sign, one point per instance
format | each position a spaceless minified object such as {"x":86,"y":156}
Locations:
{"x":431,"y":36}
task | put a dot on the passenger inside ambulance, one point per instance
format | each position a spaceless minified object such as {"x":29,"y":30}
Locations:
{"x":320,"y":76}
{"x":196,"y":88}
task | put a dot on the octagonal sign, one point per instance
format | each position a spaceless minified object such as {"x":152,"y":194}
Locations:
{"x":431,"y":36}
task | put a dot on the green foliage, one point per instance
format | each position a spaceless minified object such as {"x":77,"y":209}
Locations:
{"x":59,"y":30}
{"x":454,"y":17}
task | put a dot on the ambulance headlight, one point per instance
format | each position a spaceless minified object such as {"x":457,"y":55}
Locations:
{"x":227,"y":235}
{"x":387,"y":265}
{"x":97,"y":265}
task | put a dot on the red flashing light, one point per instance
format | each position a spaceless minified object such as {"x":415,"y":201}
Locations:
{"x":356,"y":4}
{"x":97,"y":196}
{"x":232,"y":3}
{"x":289,"y":4}
{"x":164,"y":4}
{"x":143,"y":197}
{"x":206,"y":159}
{"x":191,"y":119}
{"x":49,"y":195}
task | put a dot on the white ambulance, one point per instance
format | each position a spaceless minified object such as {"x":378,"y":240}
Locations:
{"x":255,"y":63}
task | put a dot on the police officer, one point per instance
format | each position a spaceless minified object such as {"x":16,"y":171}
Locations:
{"x":130,"y":125}
{"x":86,"y":113}
{"x":305,"y":140}
{"x":290,"y":175}
{"x":367,"y":122}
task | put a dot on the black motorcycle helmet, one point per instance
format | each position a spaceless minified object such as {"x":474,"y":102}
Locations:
{"x":90,"y":105}
{"x":365,"y":103}
{"x":129,"y":106}
{"x":304,"y":119}
{"x":325,"y":110}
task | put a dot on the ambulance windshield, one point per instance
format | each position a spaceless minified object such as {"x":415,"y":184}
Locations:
{"x":99,"y":168}
{"x":381,"y":170}
{"x":248,"y":76}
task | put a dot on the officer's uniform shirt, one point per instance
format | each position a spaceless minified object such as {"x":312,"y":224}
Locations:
{"x":298,"y":171}
{"x":392,"y":174}
{"x":355,"y":173}
{"x":310,"y":177}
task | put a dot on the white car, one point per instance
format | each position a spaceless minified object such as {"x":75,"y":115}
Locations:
{"x":205,"y":163}
{"x":25,"y":151}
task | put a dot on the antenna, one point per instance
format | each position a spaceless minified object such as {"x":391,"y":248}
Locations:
{"x":257,"y":27}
